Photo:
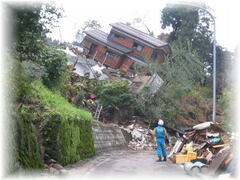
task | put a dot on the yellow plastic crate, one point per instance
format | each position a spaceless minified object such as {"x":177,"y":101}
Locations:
{"x":191,"y":156}
{"x":180,"y":159}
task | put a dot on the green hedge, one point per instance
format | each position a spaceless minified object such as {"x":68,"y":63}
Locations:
{"x":28,"y":149}
{"x":68,"y":132}
{"x":50,"y":121}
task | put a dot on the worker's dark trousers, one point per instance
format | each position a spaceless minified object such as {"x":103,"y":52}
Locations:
{"x":161,"y":151}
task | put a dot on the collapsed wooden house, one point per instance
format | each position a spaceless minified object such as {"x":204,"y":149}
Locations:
{"x":123,"y":47}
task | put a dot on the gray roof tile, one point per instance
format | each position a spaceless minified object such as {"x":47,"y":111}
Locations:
{"x":139,"y":34}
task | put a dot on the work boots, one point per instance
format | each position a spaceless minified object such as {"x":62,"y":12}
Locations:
{"x":165,"y":158}
{"x":159,"y":159}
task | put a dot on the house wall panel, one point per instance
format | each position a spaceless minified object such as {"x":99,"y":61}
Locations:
{"x":101,"y":57}
{"x":127,"y":42}
{"x":101,"y":48}
{"x":127,"y":62}
{"x":112,"y":62}
{"x":146,"y":52}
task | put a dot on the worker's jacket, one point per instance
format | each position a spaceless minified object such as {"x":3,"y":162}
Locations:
{"x":159,"y":132}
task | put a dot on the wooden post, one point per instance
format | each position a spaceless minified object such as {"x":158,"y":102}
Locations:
{"x":104,"y":59}
{"x":95,"y":55}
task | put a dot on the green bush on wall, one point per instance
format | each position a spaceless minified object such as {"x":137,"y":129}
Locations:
{"x":75,"y":141}
{"x":63,"y":130}
{"x":68,"y":132}
{"x":28,"y":150}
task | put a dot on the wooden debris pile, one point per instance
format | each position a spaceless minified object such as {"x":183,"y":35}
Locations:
{"x":203,"y":150}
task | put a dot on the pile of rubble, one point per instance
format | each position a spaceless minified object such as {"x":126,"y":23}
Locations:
{"x":203,"y":150}
{"x":139,"y":138}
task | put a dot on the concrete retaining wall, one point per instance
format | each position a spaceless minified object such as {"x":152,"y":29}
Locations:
{"x":107,"y":137}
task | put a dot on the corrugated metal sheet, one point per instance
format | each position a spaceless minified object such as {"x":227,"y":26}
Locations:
{"x":139,"y":34}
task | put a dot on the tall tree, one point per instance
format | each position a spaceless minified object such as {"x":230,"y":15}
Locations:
{"x":31,"y":24}
{"x":190,"y":25}
{"x":181,"y":73}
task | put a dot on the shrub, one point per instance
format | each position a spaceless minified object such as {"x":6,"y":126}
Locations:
{"x":116,"y":94}
{"x":33,"y":70}
{"x":68,"y":132}
{"x":50,"y":121}
{"x":55,"y":64}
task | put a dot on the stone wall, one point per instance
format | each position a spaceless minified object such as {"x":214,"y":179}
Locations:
{"x":107,"y":137}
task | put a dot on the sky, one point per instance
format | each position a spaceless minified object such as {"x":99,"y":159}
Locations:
{"x":106,"y":12}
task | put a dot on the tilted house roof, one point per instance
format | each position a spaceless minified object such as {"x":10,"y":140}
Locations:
{"x":103,"y":38}
{"x":139,"y":34}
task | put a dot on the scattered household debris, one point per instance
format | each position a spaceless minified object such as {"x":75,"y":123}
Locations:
{"x":202,"y":150}
{"x":154,"y":82}
{"x":141,"y":138}
{"x":98,"y":69}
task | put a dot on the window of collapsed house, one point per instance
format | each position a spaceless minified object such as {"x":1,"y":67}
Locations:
{"x":92,"y":48}
{"x":114,"y":35}
{"x":110,"y":54}
{"x":137,"y":46}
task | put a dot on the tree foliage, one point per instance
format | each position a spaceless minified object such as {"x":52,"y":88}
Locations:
{"x":184,"y":68}
{"x":31,"y":24}
{"x":181,"y":73}
{"x":54,"y":63}
{"x":29,"y":39}
{"x":190,"y":25}
{"x":194,"y":27}
{"x":225,"y":103}
{"x":115,"y":94}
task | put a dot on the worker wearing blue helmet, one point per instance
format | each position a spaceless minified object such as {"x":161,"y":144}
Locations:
{"x":160,"y":132}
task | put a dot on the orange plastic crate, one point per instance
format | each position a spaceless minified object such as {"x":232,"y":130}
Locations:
{"x":191,"y":156}
{"x":180,"y":159}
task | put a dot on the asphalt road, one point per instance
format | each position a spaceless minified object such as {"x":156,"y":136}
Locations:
{"x":126,"y":164}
